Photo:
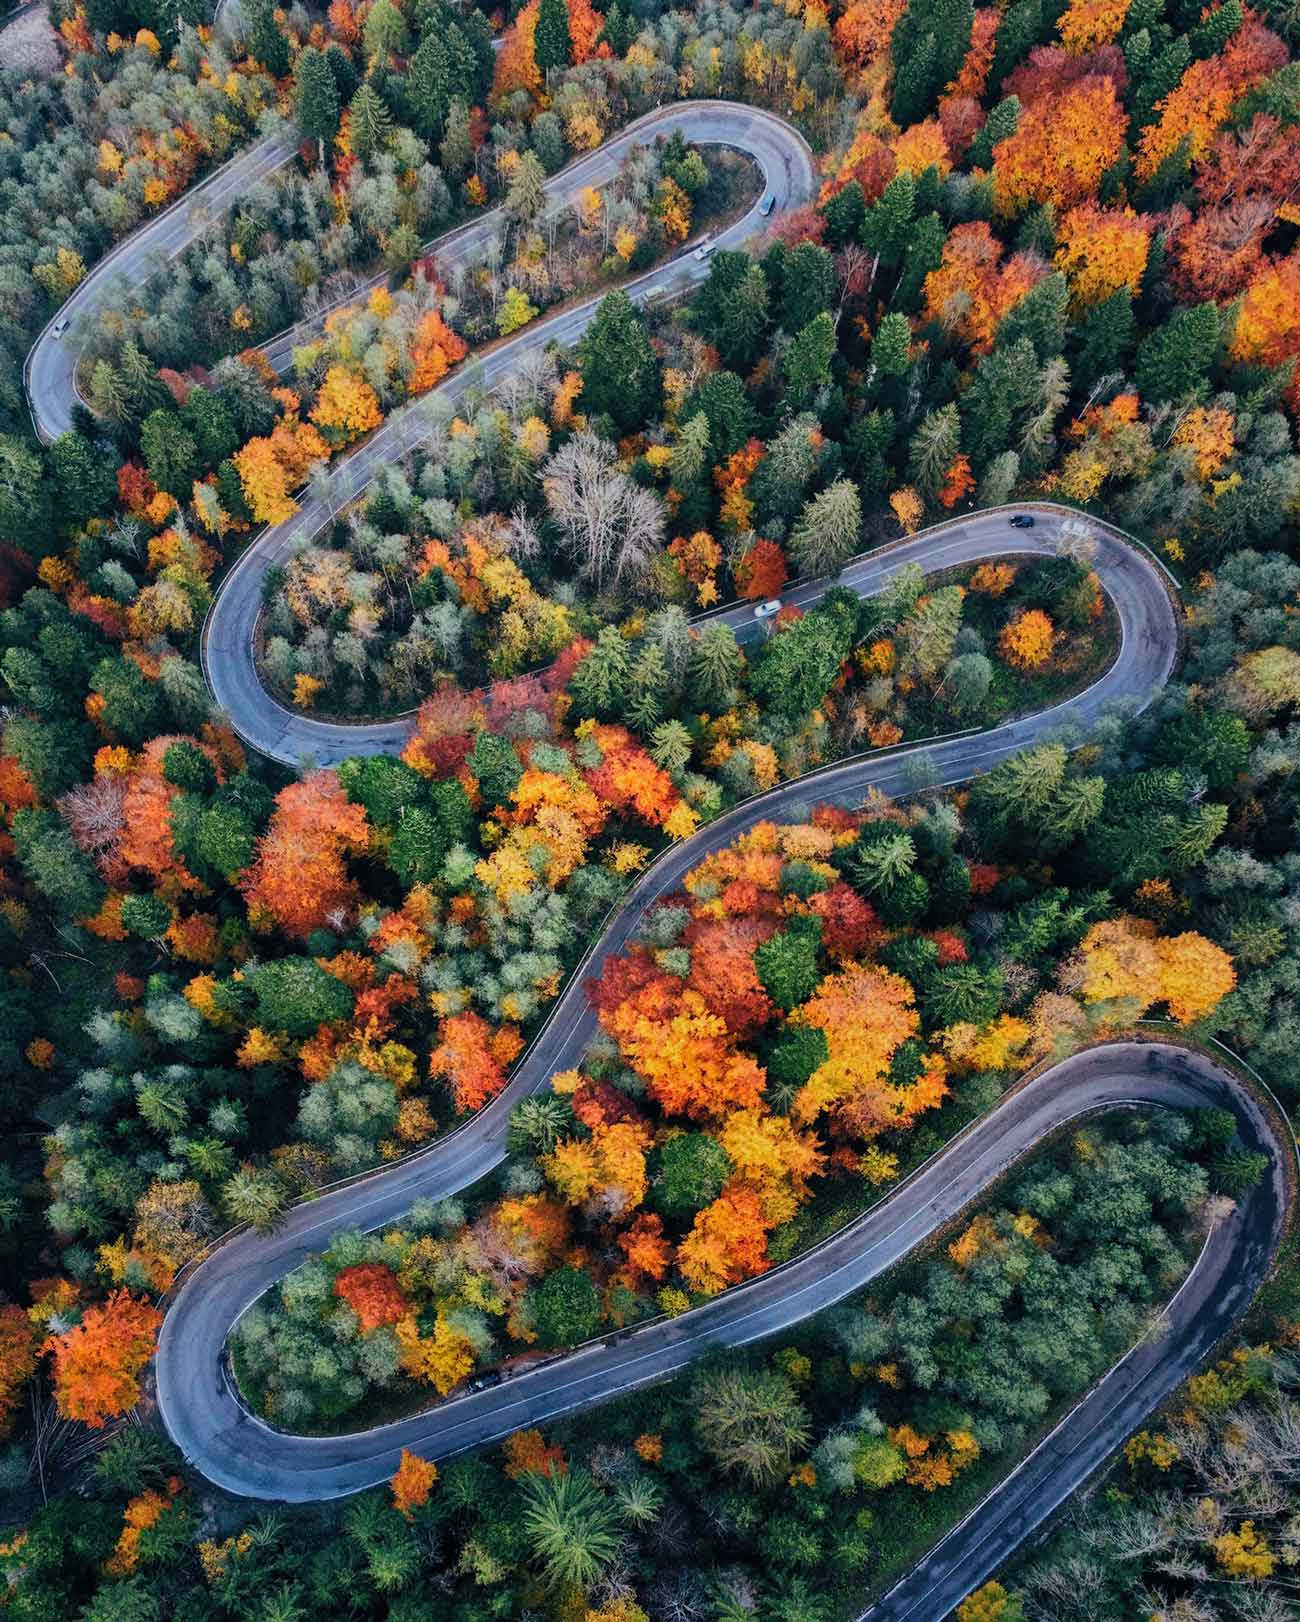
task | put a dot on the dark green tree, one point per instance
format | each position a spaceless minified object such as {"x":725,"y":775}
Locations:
{"x":807,"y":362}
{"x":316,"y":99}
{"x":713,"y":674}
{"x":1102,"y":343}
{"x":267,"y":42}
{"x":1175,"y":361}
{"x":429,"y":86}
{"x":566,"y":1307}
{"x":83,"y":477}
{"x":62,"y":872}
{"x":689,"y":1174}
{"x":844,"y":214}
{"x":787,"y":965}
{"x":796,"y":667}
{"x":371,"y":124}
{"x":866,"y":449}
{"x":295,"y":995}
{"x":928,"y":46}
{"x":924,"y":254}
{"x":147,"y":916}
{"x":25,"y":507}
{"x":132,"y":703}
{"x":552,"y":44}
{"x":809,"y":286}
{"x":721,"y":397}
{"x":620,"y":374}
{"x":171,"y":453}
{"x":887,"y":229}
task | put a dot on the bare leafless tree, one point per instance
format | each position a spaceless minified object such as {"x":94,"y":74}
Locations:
{"x":610,"y":526}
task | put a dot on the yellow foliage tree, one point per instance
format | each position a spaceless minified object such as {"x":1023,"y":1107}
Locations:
{"x":1027,"y":640}
{"x":347,"y":406}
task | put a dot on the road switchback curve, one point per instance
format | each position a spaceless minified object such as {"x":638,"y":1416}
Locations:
{"x":198,"y":1404}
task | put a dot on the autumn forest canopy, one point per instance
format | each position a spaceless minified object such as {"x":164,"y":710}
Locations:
{"x":1051,"y":255}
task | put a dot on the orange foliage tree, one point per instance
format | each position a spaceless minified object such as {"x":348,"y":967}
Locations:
{"x":1027,"y":640}
{"x":145,"y":838}
{"x":1123,"y":961}
{"x":517,"y":68}
{"x":1063,"y":145}
{"x":142,"y":1511}
{"x":1268,"y":323}
{"x":434,"y":351}
{"x":1195,"y":975}
{"x":973,"y":289}
{"x":958,"y":481}
{"x":727,"y":1242}
{"x":723,"y":972}
{"x":865,"y":1013}
{"x":972,"y":76}
{"x":1101,"y":250}
{"x":18,"y":1352}
{"x":346,"y":406}
{"x":685,"y":1053}
{"x":299,"y":877}
{"x":271,"y":468}
{"x":97,"y":1363}
{"x":1089,"y":23}
{"x":528,"y":1454}
{"x":1199,"y":105}
{"x":473,"y":1058}
{"x":412,"y":1482}
{"x":761,"y":572}
{"x":648,"y":1252}
{"x":863,"y":32}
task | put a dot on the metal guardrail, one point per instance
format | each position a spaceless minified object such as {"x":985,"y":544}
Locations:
{"x":749,"y":805}
{"x":103,"y":267}
{"x":1234,"y":1059}
{"x":573,"y":977}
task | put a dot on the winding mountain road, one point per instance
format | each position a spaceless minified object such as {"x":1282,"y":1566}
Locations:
{"x":50,"y":374}
{"x":229,"y":634}
{"x":198,"y":1405}
{"x":239,"y":1452}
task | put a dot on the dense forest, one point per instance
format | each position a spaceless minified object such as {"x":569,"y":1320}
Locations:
{"x":1052,"y":255}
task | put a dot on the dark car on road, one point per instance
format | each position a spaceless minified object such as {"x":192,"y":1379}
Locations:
{"x":1022,"y":521}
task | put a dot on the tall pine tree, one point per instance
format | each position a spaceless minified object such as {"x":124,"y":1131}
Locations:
{"x":371,"y":123}
{"x":552,"y":42}
{"x":620,"y":375}
{"x":316,"y":100}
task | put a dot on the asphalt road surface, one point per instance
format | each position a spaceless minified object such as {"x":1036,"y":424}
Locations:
{"x":199,"y":1407}
{"x":239,"y":1452}
{"x":229,"y":633}
{"x":50,"y":373}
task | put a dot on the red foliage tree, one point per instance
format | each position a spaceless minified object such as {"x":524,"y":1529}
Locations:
{"x":849,"y":924}
{"x":373,"y":1293}
{"x":444,"y":731}
{"x":722,"y":970}
{"x":761,"y":572}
